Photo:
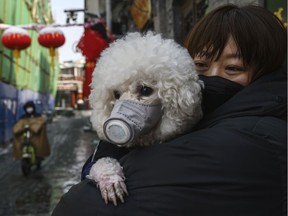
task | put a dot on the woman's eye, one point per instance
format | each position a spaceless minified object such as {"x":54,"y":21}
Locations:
{"x":146,"y":91}
{"x":201,"y":66}
{"x":117,"y":95}
{"x":235,"y":69}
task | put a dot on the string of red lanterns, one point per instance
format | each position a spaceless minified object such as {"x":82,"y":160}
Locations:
{"x":17,"y":39}
{"x":51,"y":38}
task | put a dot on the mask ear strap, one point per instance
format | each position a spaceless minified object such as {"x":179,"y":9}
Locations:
{"x":95,"y":150}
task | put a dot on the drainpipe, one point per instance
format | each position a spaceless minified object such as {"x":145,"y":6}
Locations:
{"x":108,"y":14}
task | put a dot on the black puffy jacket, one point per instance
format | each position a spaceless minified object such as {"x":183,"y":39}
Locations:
{"x":233,"y":164}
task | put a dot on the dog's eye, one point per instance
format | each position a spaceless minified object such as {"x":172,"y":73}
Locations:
{"x":117,"y":95}
{"x":146,"y":91}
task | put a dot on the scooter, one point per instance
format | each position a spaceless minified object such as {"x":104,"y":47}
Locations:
{"x":28,"y":152}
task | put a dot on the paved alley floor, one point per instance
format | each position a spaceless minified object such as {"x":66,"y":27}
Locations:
{"x":37,"y":194}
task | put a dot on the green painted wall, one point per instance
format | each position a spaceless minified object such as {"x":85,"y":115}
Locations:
{"x":34,"y":70}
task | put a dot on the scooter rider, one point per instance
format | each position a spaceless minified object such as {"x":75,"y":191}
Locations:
{"x":37,"y":126}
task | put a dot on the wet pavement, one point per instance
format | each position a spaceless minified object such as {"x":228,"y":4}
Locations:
{"x":38,"y":194}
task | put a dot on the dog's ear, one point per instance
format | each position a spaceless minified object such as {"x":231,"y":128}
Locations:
{"x":180,"y":100}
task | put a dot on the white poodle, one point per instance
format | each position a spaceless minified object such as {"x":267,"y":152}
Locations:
{"x":144,"y":91}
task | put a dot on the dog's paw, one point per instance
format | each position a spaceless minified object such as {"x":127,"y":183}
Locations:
{"x":109,"y":176}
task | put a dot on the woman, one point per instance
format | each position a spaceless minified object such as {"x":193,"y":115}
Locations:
{"x":234,"y":163}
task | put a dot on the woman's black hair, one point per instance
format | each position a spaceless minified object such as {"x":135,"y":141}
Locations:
{"x":260,"y":37}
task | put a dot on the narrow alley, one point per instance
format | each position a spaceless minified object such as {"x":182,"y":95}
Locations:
{"x":38,"y":193}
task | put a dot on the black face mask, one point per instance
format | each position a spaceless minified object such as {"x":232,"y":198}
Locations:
{"x":217,"y":91}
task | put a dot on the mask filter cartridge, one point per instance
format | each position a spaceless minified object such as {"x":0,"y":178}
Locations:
{"x":129,"y":120}
{"x":118,"y":131}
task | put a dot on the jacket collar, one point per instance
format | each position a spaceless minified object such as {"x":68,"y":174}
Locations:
{"x":266,"y":96}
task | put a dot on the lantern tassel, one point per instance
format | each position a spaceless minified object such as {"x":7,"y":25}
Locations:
{"x":52,"y":54}
{"x":16,"y":55}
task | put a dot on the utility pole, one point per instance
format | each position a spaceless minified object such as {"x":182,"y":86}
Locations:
{"x":108,"y":14}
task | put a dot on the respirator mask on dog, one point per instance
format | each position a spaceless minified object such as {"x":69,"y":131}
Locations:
{"x":129,"y":120}
{"x":217,"y":91}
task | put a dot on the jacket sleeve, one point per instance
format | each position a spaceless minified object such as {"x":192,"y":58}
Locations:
{"x":36,"y":124}
{"x":19,"y":127}
{"x":195,"y":174}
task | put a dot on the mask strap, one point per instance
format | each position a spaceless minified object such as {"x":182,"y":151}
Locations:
{"x":95,"y":150}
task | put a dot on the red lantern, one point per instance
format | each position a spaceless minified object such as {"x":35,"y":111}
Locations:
{"x":51,"y":38}
{"x":91,"y":44}
{"x":16,"y":39}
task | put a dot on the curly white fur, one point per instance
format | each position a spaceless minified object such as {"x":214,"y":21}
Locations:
{"x":146,"y":60}
{"x":107,"y":172}
{"x":150,"y":59}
